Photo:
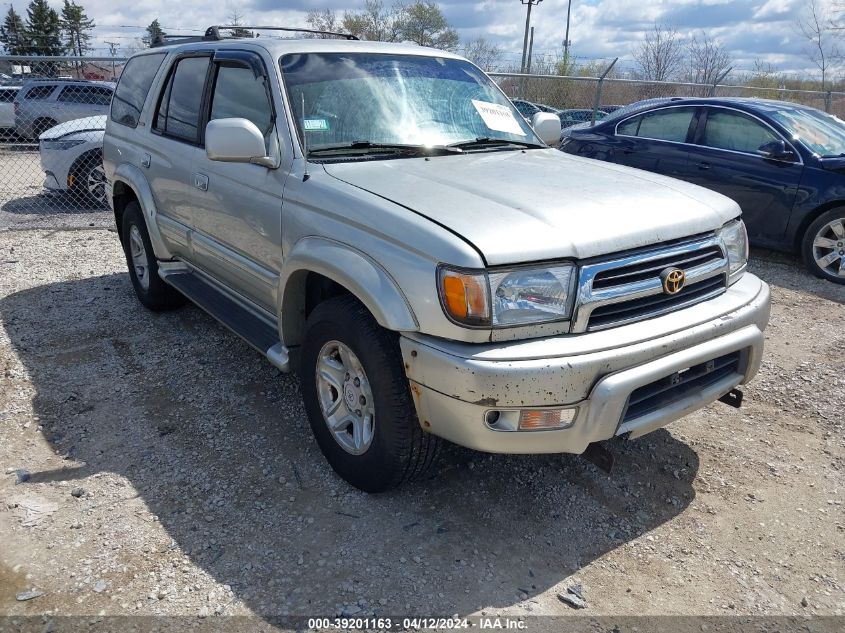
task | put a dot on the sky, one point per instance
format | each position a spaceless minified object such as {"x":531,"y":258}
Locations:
{"x":764,"y":30}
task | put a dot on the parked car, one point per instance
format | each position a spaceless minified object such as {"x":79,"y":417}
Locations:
{"x":781,"y":162}
{"x":574,"y":117}
{"x":529,"y":109}
{"x":610,"y":109}
{"x":72,"y":158}
{"x":421,"y":270}
{"x":7,"y":108}
{"x":637,"y":106}
{"x":44,"y":103}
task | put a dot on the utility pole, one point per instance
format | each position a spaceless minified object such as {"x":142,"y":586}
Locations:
{"x":113,"y":46}
{"x":530,"y":52}
{"x":529,"y":3}
{"x":566,"y":37}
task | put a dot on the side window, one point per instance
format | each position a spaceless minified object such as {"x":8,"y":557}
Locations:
{"x":179,"y":108}
{"x":735,"y":131}
{"x":39,"y":93}
{"x":132,"y":89}
{"x":73,"y":94}
{"x":99,"y":96}
{"x":238,"y":93}
{"x":7,"y":96}
{"x":671,"y":124}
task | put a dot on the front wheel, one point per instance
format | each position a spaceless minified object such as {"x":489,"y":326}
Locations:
{"x":823,"y":246}
{"x":358,"y":401}
{"x":90,"y":179}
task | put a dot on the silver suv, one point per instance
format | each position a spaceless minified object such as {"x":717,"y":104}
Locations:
{"x":44,"y":103}
{"x":381,"y":218}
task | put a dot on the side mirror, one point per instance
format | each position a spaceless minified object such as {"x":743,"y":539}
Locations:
{"x":776,"y":150}
{"x":236,"y":141}
{"x":547,"y":127}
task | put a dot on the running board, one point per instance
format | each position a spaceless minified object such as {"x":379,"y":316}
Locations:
{"x":249,"y":326}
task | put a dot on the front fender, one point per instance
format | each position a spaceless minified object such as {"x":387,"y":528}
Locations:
{"x":134,"y":178}
{"x":362,"y":276}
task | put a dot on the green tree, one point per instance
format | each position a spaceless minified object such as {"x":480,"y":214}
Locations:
{"x":424,"y":23}
{"x":43,"y":36}
{"x":154,"y":33}
{"x":76,"y":25}
{"x":374,"y":22}
{"x":12,"y":33}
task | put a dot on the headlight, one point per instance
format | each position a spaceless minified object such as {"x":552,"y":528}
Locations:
{"x":47,"y":144}
{"x":509,"y":297}
{"x":735,"y":238}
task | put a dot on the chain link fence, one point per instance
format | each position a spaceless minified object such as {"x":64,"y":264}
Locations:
{"x":52,"y":119}
{"x":53,"y":112}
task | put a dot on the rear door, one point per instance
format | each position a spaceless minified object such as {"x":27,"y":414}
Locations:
{"x":238,"y":217}
{"x":657,"y":140}
{"x":724,"y":158}
{"x":177,"y":124}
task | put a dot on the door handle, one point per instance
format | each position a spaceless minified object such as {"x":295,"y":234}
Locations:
{"x":201,"y":182}
{"x":704,"y":165}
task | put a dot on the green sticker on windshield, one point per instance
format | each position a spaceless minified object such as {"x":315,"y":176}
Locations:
{"x":315,"y":125}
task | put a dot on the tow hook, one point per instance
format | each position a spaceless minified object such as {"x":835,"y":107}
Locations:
{"x":599,"y":456}
{"x":732,"y":398}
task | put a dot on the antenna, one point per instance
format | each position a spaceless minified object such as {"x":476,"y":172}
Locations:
{"x":306,"y":175}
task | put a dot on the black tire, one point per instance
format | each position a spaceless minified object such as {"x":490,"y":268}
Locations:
{"x":149,"y":287}
{"x":400,"y":450}
{"x":42,"y":125}
{"x":89,"y":179}
{"x":820,"y":228}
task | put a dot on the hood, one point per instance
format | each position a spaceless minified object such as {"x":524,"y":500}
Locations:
{"x":88,"y":124}
{"x":516,"y":206}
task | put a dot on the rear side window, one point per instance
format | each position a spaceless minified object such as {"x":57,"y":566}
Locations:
{"x":91,"y":95}
{"x":132,"y":89}
{"x":39,"y":92}
{"x":664,"y":125}
{"x":736,"y":132}
{"x":7,"y":96}
{"x":179,"y":108}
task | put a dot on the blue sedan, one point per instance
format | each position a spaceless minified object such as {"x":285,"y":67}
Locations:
{"x":784,"y":164}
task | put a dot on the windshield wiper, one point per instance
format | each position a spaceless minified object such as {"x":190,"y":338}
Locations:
{"x":368,"y":146}
{"x":486,"y":141}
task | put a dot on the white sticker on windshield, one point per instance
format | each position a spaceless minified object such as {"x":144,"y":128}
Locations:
{"x":498,"y":117}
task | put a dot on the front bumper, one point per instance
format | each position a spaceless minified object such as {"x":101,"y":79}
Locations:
{"x":456,"y":384}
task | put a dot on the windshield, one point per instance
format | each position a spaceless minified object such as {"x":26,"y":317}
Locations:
{"x":346,"y":98}
{"x":821,"y":133}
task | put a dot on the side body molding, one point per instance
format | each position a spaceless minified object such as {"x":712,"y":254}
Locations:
{"x":134,"y":178}
{"x":354,"y":270}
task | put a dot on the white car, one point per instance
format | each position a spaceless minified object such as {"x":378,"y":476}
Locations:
{"x":72,"y":158}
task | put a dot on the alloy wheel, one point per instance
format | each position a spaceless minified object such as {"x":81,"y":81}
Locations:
{"x":829,"y":247}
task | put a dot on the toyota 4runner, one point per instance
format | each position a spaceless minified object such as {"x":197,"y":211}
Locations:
{"x":381,"y":218}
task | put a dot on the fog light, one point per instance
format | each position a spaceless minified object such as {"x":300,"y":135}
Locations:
{"x":537,"y":419}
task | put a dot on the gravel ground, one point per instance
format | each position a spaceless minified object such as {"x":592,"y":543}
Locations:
{"x":154,"y":464}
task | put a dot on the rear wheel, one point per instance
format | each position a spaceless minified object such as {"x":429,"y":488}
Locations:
{"x":823,"y":247}
{"x":151,"y":290}
{"x":357,"y":398}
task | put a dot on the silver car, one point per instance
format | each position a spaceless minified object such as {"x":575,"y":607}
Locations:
{"x":43,"y":103}
{"x":380,"y":218}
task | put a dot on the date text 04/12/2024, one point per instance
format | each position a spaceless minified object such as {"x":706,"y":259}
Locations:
{"x":418,"y":624}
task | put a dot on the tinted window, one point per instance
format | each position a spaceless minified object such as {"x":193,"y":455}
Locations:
{"x":7,"y":96}
{"x":39,"y":92}
{"x":735,"y":131}
{"x":238,"y":93}
{"x":132,"y":89}
{"x":179,"y":110}
{"x":663,"y":125}
{"x":94,"y":95}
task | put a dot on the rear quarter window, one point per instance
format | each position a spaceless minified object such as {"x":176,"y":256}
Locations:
{"x":39,"y":92}
{"x":133,"y":87}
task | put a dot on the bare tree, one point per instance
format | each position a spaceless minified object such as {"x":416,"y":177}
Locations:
{"x":236,"y":19}
{"x":424,"y":23}
{"x":483,"y":53}
{"x":374,"y":22}
{"x":817,"y":28}
{"x":660,"y":56}
{"x":322,"y":20}
{"x":707,"y":59}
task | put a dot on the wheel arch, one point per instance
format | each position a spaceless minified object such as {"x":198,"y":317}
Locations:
{"x":811,"y":217}
{"x":129,"y":184}
{"x":319,"y":268}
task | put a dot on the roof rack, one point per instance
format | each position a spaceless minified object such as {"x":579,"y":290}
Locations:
{"x":212,"y":34}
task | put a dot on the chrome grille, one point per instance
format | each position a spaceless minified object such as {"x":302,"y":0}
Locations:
{"x":629,"y":289}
